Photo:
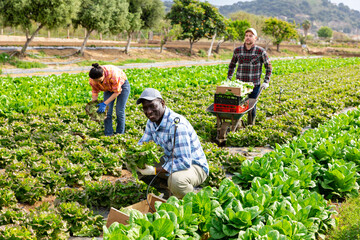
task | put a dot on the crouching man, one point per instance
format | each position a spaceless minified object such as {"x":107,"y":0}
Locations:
{"x":184,"y":165}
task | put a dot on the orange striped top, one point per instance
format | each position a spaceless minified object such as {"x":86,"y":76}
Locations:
{"x":114,"y":78}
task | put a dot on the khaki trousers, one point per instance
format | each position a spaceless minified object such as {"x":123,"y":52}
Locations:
{"x":182,"y":182}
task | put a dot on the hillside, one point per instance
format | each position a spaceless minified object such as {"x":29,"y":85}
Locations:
{"x":319,"y":12}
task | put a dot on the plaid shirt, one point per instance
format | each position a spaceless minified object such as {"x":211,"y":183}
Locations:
{"x":187,"y":150}
{"x":250,"y":64}
{"x":114,"y":78}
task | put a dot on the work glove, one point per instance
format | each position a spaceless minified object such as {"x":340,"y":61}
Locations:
{"x":265,"y":85}
{"x":102,"y":107}
{"x":148,"y":170}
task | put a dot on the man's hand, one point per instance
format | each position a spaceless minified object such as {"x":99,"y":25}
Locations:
{"x":265,"y":85}
{"x":102,"y":107}
{"x":148,"y":170}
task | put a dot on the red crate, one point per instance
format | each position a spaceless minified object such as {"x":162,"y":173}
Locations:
{"x":230,"y":108}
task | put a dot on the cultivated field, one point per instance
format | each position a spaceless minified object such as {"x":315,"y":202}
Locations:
{"x":56,"y":165}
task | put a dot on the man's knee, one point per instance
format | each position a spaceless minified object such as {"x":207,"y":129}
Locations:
{"x":179,"y":185}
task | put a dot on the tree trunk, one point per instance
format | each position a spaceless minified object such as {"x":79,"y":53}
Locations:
{"x":163,"y":42}
{"x":28,"y":40}
{"x":305,"y":33}
{"x":2,"y":31}
{"x":127,"y":48}
{"x":81,"y":52}
{"x":217,"y":49}
{"x":150,"y":35}
{"x":68,"y":34}
{"x":49,"y":35}
{"x":138,"y":37}
{"x":211,"y":45}
{"x":191,"y":45}
{"x":278,"y":47}
{"x":100,"y":35}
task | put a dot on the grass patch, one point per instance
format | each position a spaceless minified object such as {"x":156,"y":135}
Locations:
{"x":27,"y":65}
{"x":289,"y":52}
{"x":202,"y":53}
{"x":138,"y":60}
{"x":348,"y":227}
{"x":169,"y":59}
{"x":88,"y":63}
{"x":6,"y":58}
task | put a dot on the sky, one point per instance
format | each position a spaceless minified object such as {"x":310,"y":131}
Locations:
{"x":353,"y":4}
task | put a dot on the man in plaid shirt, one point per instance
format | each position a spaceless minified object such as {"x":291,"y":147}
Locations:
{"x":250,"y":59}
{"x":184,"y":165}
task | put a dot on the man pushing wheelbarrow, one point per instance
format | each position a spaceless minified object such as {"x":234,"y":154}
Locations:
{"x":250,"y":59}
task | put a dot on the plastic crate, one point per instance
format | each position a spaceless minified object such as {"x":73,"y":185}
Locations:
{"x":230,"y":108}
{"x":227,"y":99}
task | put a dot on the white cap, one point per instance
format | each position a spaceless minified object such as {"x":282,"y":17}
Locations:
{"x":251,"y":30}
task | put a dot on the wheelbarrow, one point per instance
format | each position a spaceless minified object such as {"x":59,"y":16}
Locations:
{"x":231,"y":121}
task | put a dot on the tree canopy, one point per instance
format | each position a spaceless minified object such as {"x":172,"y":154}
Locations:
{"x":306,"y":26}
{"x":45,"y":13}
{"x":197,"y":19}
{"x":96,"y":15}
{"x":142,"y":14}
{"x":325,"y":32}
{"x":234,"y":31}
{"x":279,"y":30}
{"x":255,"y":21}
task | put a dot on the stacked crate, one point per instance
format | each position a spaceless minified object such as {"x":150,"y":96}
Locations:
{"x":233,"y":102}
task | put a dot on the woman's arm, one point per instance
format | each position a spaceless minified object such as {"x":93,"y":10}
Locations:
{"x":111,"y":98}
{"x":94,"y":96}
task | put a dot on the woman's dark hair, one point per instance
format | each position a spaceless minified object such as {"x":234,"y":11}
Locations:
{"x":96,"y":71}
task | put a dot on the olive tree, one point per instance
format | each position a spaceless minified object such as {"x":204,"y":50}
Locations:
{"x":96,"y":15}
{"x":279,"y":30}
{"x":142,"y":14}
{"x":167,"y":31}
{"x":33,"y":15}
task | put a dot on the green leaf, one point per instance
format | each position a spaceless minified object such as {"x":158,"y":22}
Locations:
{"x":163,"y":227}
{"x":229,"y":230}
{"x":283,"y":226}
